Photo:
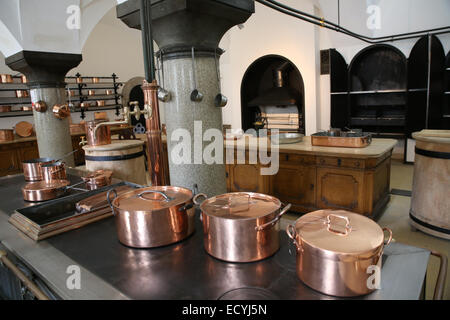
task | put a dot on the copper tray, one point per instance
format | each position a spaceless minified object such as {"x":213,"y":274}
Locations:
{"x":324,"y":140}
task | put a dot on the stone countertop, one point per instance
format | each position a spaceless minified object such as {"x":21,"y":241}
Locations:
{"x":377,"y":148}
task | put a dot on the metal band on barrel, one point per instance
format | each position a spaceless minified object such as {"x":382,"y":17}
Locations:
{"x":433,"y":154}
{"x":427,"y":225}
{"x":115,"y":158}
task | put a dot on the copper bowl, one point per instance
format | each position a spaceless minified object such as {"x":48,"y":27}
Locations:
{"x":32,"y":168}
{"x":5,"y":108}
{"x":6,"y":134}
{"x":6,"y":78}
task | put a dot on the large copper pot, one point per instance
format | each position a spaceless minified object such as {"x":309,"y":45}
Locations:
{"x":242,"y":226}
{"x":153,"y":216}
{"x":32,"y":168}
{"x":338,"y":252}
{"x":97,"y":134}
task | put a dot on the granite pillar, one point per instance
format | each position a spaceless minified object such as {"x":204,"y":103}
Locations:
{"x":45,"y":72}
{"x":179,"y":26}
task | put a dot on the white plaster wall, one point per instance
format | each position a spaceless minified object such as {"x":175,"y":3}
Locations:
{"x":268,"y":32}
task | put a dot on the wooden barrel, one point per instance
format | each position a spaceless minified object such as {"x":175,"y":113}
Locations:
{"x":430,"y":202}
{"x":125,"y":158}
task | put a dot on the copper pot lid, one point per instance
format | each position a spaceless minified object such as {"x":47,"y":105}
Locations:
{"x":46,"y":186}
{"x":240,"y":205}
{"x":152,"y":198}
{"x":339,"y":232}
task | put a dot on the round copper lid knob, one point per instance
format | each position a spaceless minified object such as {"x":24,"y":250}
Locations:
{"x":61,"y":111}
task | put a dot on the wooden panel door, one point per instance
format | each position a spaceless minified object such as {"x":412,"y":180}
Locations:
{"x":28,"y":152}
{"x":247,"y":177}
{"x":9,"y":162}
{"x":340,"y":189}
{"x":296,"y":186}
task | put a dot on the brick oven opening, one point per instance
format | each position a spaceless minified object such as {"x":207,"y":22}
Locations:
{"x":272,"y":95}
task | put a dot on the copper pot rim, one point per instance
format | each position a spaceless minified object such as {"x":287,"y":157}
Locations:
{"x":278,"y":203}
{"x":39,"y":160}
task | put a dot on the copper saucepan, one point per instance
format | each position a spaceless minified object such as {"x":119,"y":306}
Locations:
{"x":97,"y":179}
{"x":338,"y":252}
{"x":54,"y":171}
{"x":6,"y":78}
{"x":5,"y":108}
{"x":32,"y":168}
{"x":42,"y":190}
{"x":153,"y":216}
{"x":242,"y":226}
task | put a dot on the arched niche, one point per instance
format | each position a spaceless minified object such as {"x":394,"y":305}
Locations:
{"x":259,"y":78}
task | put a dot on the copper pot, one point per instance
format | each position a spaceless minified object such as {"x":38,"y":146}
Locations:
{"x":97,"y":134}
{"x":22,"y":94}
{"x":6,"y":78}
{"x":5,"y":108}
{"x":85,"y":105}
{"x":32,"y":168}
{"x":338,"y":251}
{"x":91,"y":92}
{"x":153,"y":216}
{"x":42,"y":191}
{"x":23,"y":79}
{"x":242,"y":226}
{"x":54,"y":171}
{"x":79,"y":80}
{"x":26,"y":108}
{"x":70,"y":93}
{"x":100,"y":103}
{"x":97,"y":179}
{"x":95,"y":80}
{"x":6,"y":134}
{"x":109,"y":92}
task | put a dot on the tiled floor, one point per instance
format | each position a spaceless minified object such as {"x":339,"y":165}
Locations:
{"x":396,"y":217}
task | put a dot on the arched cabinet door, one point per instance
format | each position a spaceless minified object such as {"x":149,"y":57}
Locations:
{"x":338,"y":89}
{"x":446,"y":106}
{"x":426,"y":67}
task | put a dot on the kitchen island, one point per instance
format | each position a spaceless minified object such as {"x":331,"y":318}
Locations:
{"x":312,"y":177}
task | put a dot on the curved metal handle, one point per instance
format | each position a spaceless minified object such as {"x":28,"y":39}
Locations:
{"x":348,"y":228}
{"x":442,"y":275}
{"x":109,"y":199}
{"x":166,"y":197}
{"x":198,"y":195}
{"x":274,"y":220}
{"x":292,"y":233}
{"x":390,"y":236}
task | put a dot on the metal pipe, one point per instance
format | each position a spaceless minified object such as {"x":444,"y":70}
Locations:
{"x":37,"y":292}
{"x":147,"y":39}
{"x":330,"y":25}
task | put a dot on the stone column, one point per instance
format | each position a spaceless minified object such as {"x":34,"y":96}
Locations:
{"x":179,"y":26}
{"x":45,"y":72}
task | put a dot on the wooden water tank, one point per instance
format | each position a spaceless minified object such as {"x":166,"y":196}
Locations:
{"x":430,"y":202}
{"x":124,"y":157}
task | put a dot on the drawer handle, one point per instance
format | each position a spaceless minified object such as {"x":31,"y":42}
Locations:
{"x":322,"y":161}
{"x":357,"y":164}
{"x":339,"y":161}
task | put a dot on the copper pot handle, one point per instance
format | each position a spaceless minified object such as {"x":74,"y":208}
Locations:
{"x":390,"y":236}
{"x":166,"y":197}
{"x":274,"y":220}
{"x":348,"y":228}
{"x":108,"y":198}
{"x":292,"y":233}
{"x":198,"y":195}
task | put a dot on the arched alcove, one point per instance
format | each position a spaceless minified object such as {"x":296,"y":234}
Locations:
{"x":259,"y":88}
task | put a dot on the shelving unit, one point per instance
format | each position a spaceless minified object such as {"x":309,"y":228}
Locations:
{"x":112,"y":101}
{"x":446,"y":105}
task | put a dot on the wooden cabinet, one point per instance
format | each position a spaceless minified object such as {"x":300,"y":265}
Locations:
{"x":312,"y":182}
{"x":9,"y":162}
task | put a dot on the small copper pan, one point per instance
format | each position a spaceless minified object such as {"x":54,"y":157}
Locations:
{"x":97,"y":179}
{"x":54,"y":171}
{"x":32,"y":168}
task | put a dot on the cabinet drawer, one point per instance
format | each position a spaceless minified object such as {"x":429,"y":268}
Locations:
{"x":341,"y":162}
{"x":296,"y":159}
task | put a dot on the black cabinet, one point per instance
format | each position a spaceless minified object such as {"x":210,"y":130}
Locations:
{"x":339,"y":89}
{"x":446,"y":105}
